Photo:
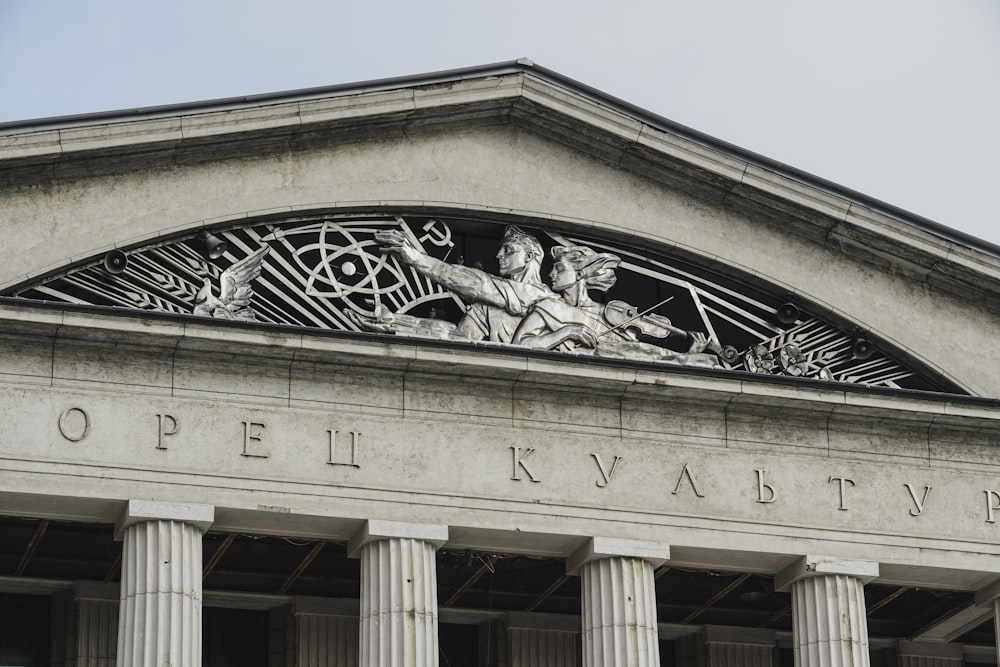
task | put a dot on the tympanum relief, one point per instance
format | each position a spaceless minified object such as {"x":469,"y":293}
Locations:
{"x":474,"y":281}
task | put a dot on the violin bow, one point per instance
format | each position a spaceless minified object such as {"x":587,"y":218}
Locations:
{"x":634,"y":318}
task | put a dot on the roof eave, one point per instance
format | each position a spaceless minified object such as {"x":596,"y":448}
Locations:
{"x":521,"y":65}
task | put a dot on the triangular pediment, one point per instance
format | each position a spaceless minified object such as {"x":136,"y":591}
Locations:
{"x":730,"y":238}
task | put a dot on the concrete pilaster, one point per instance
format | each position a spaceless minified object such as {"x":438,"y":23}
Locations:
{"x":399,"y":614}
{"x":618,"y":601}
{"x":738,"y":647}
{"x":326,"y":633}
{"x":829,"y":622}
{"x":540,"y":640}
{"x":160,"y":614}
{"x":96,"y":625}
{"x":542,"y":648}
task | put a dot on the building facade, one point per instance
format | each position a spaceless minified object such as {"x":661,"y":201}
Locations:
{"x":487,"y":368}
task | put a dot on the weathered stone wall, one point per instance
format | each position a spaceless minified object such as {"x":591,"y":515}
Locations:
{"x":311,"y":435}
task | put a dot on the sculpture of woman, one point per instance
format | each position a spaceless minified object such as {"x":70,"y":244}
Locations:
{"x":574,"y":322}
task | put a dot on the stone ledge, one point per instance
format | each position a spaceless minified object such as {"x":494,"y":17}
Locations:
{"x":137,"y":511}
{"x":815,"y":566}
{"x":597,"y":548}
{"x":189,"y":336}
{"x":375,"y":530}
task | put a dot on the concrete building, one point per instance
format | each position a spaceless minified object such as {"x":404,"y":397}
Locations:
{"x":482,"y":367}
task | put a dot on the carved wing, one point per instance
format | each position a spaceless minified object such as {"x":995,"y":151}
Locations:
{"x":235,"y":281}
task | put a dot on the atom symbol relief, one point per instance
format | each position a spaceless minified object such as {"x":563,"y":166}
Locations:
{"x":347,"y":267}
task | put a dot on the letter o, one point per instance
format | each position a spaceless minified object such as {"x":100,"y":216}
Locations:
{"x":70,"y":431}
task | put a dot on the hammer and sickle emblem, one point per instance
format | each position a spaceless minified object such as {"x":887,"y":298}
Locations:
{"x":437,"y":234}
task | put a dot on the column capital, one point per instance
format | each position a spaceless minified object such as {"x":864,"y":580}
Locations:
{"x":375,"y":530}
{"x":813,"y":566}
{"x":596,"y":548}
{"x":136,"y":511}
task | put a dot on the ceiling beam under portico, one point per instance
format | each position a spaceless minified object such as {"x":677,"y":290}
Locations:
{"x":29,"y":551}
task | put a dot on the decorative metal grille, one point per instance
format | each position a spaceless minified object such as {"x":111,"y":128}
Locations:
{"x":332,"y":273}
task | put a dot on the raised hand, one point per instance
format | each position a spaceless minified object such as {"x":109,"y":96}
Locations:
{"x":699,"y":342}
{"x":397,"y":243}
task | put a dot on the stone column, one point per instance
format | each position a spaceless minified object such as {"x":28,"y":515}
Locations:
{"x":160,"y":616}
{"x":326,"y":633}
{"x":96,"y":625}
{"x":738,"y":647}
{"x":829,"y":623}
{"x":619,"y":601}
{"x":929,"y":654}
{"x":399,"y":615}
{"x":542,"y":640}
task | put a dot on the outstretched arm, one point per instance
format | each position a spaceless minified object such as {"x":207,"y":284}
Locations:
{"x":531,"y":333}
{"x":385,"y":321}
{"x":472,"y":285}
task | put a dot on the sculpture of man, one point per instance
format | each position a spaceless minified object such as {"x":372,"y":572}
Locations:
{"x":496,"y":304}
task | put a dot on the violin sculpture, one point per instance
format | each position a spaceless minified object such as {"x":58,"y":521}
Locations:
{"x":627,"y":318}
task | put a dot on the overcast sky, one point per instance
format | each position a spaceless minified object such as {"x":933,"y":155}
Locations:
{"x":897,"y":99}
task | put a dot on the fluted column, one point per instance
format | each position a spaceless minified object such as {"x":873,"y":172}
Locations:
{"x":829,"y":622}
{"x":160,"y":616}
{"x":96,"y":625}
{"x":738,"y":647}
{"x":399,"y":615}
{"x":541,"y":640}
{"x":619,"y":601}
{"x":326,"y":633}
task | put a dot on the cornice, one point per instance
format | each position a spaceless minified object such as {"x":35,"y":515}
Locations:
{"x":490,"y":362}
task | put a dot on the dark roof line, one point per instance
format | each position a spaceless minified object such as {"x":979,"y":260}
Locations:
{"x":522,"y":65}
{"x":244,"y":101}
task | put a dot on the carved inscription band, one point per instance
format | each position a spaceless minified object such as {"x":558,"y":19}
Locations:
{"x":343,"y":448}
